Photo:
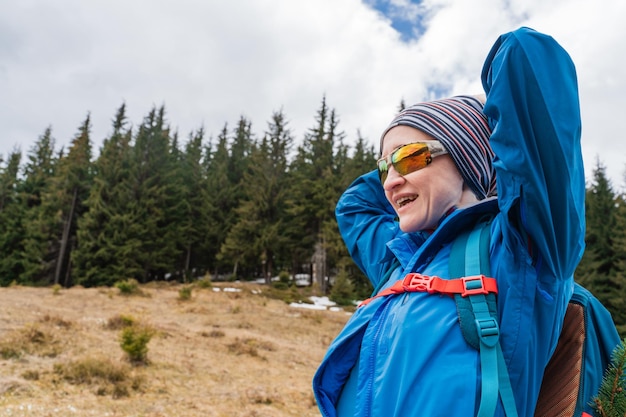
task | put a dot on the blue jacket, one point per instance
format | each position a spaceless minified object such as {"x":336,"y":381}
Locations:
{"x":404,"y":355}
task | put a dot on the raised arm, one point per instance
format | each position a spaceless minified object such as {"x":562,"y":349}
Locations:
{"x":533,"y":107}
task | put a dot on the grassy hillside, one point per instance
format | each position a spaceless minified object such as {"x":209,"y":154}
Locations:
{"x":217,"y":353}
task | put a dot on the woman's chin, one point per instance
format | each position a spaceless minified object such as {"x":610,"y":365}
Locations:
{"x":408,"y":226}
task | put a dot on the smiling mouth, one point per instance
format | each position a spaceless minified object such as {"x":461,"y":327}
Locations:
{"x":401,"y":202}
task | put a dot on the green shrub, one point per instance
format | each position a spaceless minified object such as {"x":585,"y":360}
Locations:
{"x":284,"y":281}
{"x":134,"y":341}
{"x":343,"y":291}
{"x":128,"y":287}
{"x":283,"y":276}
{"x":205,"y":281}
{"x":280,"y":285}
{"x":184,"y":293}
{"x":56,"y":289}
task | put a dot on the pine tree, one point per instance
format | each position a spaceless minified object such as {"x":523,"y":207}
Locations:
{"x":196,"y":211}
{"x":317,"y":186}
{"x":223,"y":198}
{"x":151,"y":185}
{"x":598,"y":268}
{"x":313,"y":156}
{"x":8,"y":179}
{"x":258,"y":233}
{"x":39,"y":169}
{"x":11,"y":221}
{"x":213,"y":170}
{"x":225,"y":179}
{"x":240,"y":151}
{"x":333,"y":184}
{"x":105,"y":244}
{"x":362,"y":161}
{"x":175,"y":210}
{"x":343,"y":291}
{"x":619,"y":245}
{"x":63,"y":203}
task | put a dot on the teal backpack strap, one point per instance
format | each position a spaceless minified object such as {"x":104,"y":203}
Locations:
{"x":478,"y":319}
{"x":395,"y":264}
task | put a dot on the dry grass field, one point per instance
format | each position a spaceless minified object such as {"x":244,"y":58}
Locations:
{"x":218,"y":353}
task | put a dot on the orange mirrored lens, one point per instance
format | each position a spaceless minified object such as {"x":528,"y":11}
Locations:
{"x":406,"y":159}
{"x":411,"y":158}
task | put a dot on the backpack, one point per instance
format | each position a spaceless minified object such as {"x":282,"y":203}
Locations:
{"x":583,"y":352}
{"x":575,"y":371}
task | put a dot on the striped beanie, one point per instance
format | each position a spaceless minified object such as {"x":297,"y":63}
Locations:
{"x":462,"y":128}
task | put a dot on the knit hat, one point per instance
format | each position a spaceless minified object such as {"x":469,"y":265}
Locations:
{"x":463,"y":130}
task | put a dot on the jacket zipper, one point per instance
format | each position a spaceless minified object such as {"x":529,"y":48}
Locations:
{"x":380,"y":324}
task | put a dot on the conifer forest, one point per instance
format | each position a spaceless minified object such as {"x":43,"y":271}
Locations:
{"x":242,"y":205}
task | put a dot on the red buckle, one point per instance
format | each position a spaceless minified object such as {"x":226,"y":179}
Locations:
{"x":474,"y":284}
{"x":418,"y":283}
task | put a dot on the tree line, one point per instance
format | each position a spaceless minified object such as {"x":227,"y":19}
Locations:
{"x":240,"y":205}
{"x":152,"y":208}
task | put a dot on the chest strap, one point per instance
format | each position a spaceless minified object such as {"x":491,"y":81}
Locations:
{"x":464,"y":286}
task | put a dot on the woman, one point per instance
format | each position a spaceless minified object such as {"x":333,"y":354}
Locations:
{"x":404,"y":354}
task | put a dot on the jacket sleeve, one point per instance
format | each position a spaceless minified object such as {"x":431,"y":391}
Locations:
{"x":367,"y":222}
{"x":533,"y":108}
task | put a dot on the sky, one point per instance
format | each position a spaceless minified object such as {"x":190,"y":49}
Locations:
{"x":210,"y":62}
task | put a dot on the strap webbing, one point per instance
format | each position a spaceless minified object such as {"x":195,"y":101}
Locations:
{"x":477,"y":314}
{"x":395,"y":264}
{"x":414,"y":282}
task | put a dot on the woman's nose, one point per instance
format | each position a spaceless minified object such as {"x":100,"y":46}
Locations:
{"x":393,"y":179}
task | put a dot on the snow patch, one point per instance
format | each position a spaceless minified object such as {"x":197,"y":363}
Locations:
{"x":318,"y":303}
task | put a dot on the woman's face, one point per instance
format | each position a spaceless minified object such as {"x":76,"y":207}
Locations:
{"x":422,"y":197}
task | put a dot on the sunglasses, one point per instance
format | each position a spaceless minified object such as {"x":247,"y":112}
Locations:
{"x":410,"y":158}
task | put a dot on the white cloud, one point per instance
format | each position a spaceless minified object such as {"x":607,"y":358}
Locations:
{"x":211,"y":62}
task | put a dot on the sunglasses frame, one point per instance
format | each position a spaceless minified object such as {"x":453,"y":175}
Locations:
{"x":433,"y":148}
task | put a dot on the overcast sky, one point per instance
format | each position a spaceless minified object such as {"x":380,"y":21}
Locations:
{"x":212,"y":61}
